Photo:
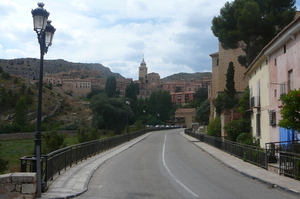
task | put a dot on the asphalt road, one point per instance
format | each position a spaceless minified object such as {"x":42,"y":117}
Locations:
{"x":166,"y":165}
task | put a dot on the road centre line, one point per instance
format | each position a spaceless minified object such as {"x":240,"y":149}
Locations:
{"x":171,"y":174}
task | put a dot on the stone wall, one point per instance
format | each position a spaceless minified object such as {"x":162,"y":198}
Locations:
{"x":18,"y":185}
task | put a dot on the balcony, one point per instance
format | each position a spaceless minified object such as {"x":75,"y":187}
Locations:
{"x":255,"y":102}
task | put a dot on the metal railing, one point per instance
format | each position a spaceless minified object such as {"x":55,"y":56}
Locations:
{"x":289,"y":164}
{"x":273,"y":149}
{"x":251,"y":154}
{"x":57,"y":161}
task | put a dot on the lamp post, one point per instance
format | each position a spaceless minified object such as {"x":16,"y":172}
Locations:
{"x":127,"y":104}
{"x":45,"y":32}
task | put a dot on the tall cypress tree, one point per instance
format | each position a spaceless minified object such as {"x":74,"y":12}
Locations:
{"x":111,"y":86}
{"x":230,"y":84}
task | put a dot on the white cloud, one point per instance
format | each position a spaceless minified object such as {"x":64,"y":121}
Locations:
{"x":173,"y":35}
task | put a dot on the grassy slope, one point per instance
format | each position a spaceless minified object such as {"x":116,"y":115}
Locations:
{"x":13,"y":150}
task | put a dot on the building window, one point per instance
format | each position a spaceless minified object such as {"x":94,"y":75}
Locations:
{"x":275,"y":62}
{"x":284,"y":49}
{"x":258,"y":94}
{"x":290,"y":80}
{"x":282,"y":88}
{"x":258,"y":132}
{"x":187,"y":97}
{"x":272,"y":117}
{"x":251,"y":100}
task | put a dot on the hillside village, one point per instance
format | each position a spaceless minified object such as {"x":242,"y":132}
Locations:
{"x":80,"y":79}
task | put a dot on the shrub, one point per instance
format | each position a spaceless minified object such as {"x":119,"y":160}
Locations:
{"x":246,"y":138}
{"x":214,"y":127}
{"x":71,"y":126}
{"x":236,"y":127}
{"x":137,"y":126}
{"x":52,"y":140}
{"x":3,"y":164}
{"x":84,"y":135}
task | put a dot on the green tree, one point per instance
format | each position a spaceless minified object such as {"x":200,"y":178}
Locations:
{"x":84,"y":134}
{"x":93,"y":93}
{"x":230,"y":84}
{"x":16,"y":81}
{"x":251,"y":24}
{"x":244,"y":103}
{"x":52,"y":141}
{"x":214,"y":127}
{"x":203,"y":112}
{"x":22,"y":89}
{"x":246,"y":138}
{"x":131,"y":92}
{"x":3,"y":98}
{"x":160,"y":105}
{"x":109,"y":113}
{"x":227,"y":100}
{"x":236,"y":127}
{"x":3,"y":163}
{"x":290,"y":110}
{"x":5,"y":75}
{"x":200,"y":96}
{"x":111,"y":86}
{"x":140,"y":110}
{"x":20,"y":116}
{"x":49,"y":86}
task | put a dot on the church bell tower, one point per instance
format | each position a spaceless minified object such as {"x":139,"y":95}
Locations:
{"x":143,"y":71}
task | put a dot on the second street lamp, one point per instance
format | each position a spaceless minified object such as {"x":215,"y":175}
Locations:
{"x":45,"y":32}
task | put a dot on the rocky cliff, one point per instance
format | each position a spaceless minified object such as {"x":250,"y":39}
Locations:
{"x":29,"y":68}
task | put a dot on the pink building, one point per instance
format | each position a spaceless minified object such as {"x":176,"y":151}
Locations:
{"x":182,"y":97}
{"x":284,"y":71}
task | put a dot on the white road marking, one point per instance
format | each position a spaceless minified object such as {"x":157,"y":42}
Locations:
{"x":171,"y":174}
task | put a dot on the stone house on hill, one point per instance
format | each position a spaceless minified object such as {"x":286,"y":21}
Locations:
{"x":78,"y":87}
{"x":220,"y":62}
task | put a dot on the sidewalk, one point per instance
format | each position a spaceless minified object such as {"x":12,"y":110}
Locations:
{"x":74,"y":181}
{"x":273,"y":180}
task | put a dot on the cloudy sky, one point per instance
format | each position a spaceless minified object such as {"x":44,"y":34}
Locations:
{"x":172,"y":35}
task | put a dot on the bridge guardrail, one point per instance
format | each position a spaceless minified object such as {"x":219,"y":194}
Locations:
{"x":251,"y":154}
{"x":59,"y":160}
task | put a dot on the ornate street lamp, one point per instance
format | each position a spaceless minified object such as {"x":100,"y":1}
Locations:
{"x":45,"y":32}
{"x":127,"y":104}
